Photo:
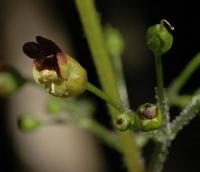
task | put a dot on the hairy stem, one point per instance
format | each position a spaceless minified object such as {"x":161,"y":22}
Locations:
{"x":94,"y":34}
{"x":191,"y":110}
{"x":158,"y":157}
{"x":160,"y":151}
{"x":105,"y":97}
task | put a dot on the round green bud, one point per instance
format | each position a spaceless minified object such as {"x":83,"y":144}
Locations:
{"x":10,"y":81}
{"x":123,"y":122}
{"x":159,"y":39}
{"x":114,"y":41}
{"x":28,"y":123}
{"x":148,"y":117}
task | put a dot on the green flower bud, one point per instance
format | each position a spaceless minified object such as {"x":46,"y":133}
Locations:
{"x":28,"y":123}
{"x":10,"y":81}
{"x":159,"y":39}
{"x":123,"y":122}
{"x":148,"y":117}
{"x":114,"y":41}
{"x":58,"y":73}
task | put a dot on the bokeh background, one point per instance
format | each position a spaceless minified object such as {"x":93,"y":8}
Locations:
{"x":70,"y":149}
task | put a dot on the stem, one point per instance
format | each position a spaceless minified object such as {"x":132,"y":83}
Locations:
{"x":121,"y":80}
{"x":160,"y":151}
{"x":105,"y":97}
{"x":158,"y":158}
{"x":159,"y":75}
{"x":180,"y":81}
{"x":180,"y":100}
{"x":94,"y":34}
{"x":185,"y":116}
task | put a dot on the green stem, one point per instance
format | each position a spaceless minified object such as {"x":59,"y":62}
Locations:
{"x":94,"y":34}
{"x":121,"y":80}
{"x":160,"y":151}
{"x":105,"y":97}
{"x":185,"y":116}
{"x":158,"y":158}
{"x":159,"y":75}
{"x":180,"y":100}
{"x":180,"y":81}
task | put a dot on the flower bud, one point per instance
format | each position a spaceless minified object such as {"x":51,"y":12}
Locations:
{"x":159,"y":39}
{"x":10,"y":81}
{"x":28,"y":123}
{"x":58,"y":73}
{"x":123,"y":122}
{"x":114,"y":41}
{"x":148,"y":117}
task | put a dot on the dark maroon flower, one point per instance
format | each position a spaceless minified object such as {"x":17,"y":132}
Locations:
{"x":60,"y":74}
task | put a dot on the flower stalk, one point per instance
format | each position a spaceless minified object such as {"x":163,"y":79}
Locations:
{"x":105,"y":97}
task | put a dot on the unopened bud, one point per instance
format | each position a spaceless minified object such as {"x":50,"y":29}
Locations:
{"x":123,"y":122}
{"x":159,"y":39}
{"x":28,"y":123}
{"x":114,"y":41}
{"x":10,"y":81}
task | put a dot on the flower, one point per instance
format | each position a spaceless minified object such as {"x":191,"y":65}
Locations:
{"x":60,"y":74}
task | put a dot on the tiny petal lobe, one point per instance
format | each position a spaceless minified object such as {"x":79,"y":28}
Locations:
{"x":32,"y":50}
{"x":48,"y":46}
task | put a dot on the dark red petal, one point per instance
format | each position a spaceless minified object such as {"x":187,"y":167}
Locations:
{"x":32,"y":50}
{"x":48,"y":46}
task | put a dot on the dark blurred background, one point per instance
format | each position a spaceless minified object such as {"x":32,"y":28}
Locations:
{"x":132,"y":18}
